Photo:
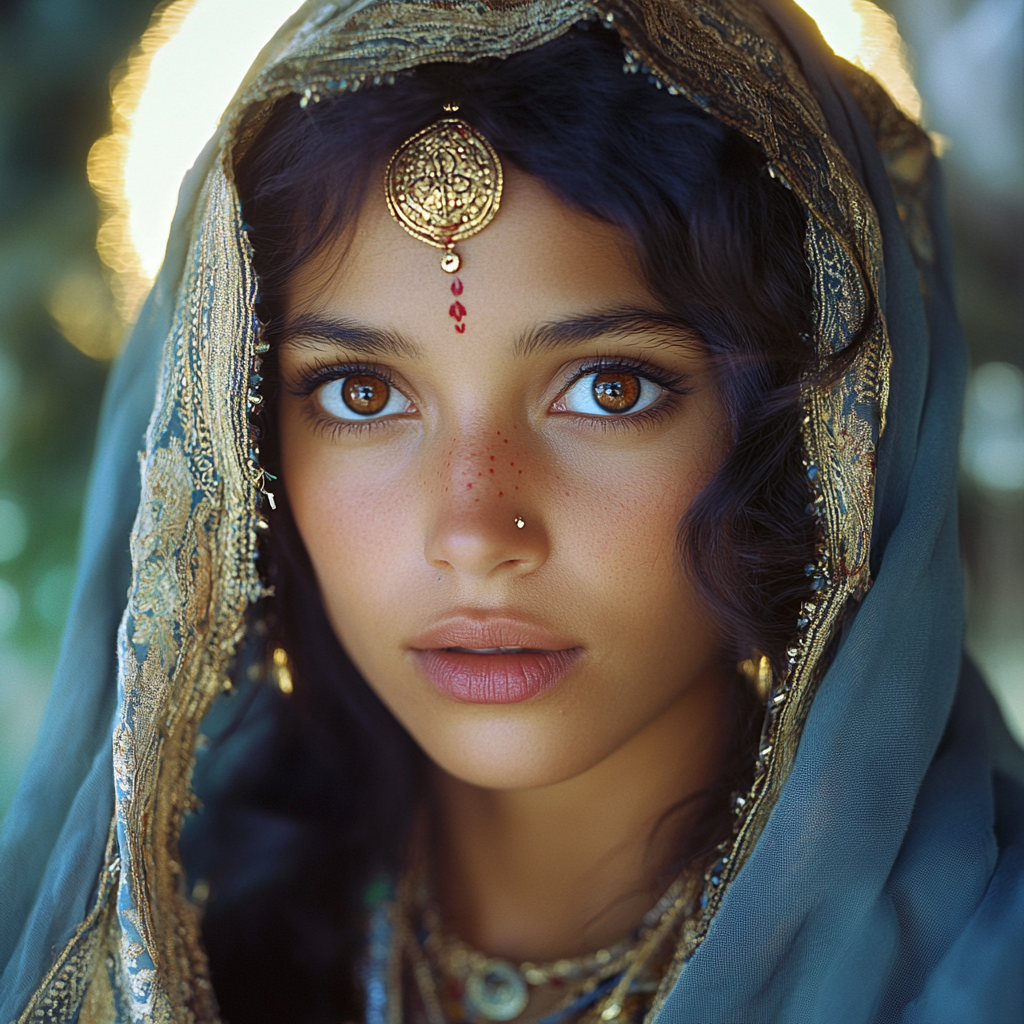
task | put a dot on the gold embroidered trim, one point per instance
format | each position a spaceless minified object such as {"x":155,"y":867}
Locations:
{"x":907,"y":153}
{"x":61,"y":992}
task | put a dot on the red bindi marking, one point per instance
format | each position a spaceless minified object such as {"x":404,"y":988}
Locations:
{"x":461,"y":328}
{"x":457,"y":310}
{"x":457,"y":290}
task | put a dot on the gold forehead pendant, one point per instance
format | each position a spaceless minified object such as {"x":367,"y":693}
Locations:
{"x":443,"y":185}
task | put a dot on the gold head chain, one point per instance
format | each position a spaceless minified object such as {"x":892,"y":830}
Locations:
{"x":444,"y":184}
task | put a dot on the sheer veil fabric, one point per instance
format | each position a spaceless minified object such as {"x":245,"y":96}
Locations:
{"x":878,"y":873}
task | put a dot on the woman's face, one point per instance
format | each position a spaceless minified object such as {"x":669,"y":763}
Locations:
{"x":488,"y":471}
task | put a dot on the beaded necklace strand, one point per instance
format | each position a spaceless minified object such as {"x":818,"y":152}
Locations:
{"x":456,"y":984}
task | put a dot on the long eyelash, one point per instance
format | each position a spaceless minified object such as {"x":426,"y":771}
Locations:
{"x":632,"y":420}
{"x":324,"y":373}
{"x":332,"y":428}
{"x":674,"y":383}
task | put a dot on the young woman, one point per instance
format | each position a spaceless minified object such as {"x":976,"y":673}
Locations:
{"x":545,"y":556}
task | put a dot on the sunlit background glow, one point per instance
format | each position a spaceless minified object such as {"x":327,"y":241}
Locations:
{"x":166,"y":101}
{"x":867,"y":36}
{"x":169,"y":95}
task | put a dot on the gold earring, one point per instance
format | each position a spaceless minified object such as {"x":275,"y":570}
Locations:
{"x":758,"y":671}
{"x":281,"y":670}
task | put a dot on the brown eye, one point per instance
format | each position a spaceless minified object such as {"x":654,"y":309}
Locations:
{"x":616,"y":392}
{"x":361,"y":397}
{"x":612,"y":394}
{"x":364,"y":394}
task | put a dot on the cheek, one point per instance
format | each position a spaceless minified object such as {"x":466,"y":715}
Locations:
{"x":621,"y":535}
{"x":622,"y":518}
{"x":353,"y":513}
{"x":629,"y":514}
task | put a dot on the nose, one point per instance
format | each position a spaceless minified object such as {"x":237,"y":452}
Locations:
{"x":483,"y":525}
{"x":482,"y":544}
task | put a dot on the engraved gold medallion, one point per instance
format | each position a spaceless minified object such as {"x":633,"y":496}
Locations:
{"x":443,"y":185}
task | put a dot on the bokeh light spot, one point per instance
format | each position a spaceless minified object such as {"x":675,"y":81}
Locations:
{"x":992,"y":453}
{"x":13,"y":530}
{"x":10,"y":606}
{"x":81,"y":307}
{"x":52,"y":595}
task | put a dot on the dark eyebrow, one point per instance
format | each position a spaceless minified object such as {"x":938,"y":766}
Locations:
{"x":615,"y":322}
{"x":312,"y":331}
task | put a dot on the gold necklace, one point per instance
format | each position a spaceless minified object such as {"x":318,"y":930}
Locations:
{"x":495,"y":989}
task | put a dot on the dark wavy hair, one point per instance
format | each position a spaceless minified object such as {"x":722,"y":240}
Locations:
{"x":304,"y":826}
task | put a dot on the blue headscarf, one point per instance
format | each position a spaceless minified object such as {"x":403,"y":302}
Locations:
{"x":887,"y":884}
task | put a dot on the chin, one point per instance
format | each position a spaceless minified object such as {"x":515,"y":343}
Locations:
{"x":494,"y":750}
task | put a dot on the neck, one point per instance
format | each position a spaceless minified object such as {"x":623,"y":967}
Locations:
{"x":565,"y":869}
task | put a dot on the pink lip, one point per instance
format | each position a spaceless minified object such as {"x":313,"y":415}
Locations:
{"x":498,"y":678}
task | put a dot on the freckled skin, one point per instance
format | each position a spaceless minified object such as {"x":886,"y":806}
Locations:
{"x":413,"y":519}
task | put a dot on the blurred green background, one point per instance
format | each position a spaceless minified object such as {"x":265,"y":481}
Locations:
{"x":56,"y":58}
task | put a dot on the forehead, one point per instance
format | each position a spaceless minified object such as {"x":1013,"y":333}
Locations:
{"x":539,"y":259}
